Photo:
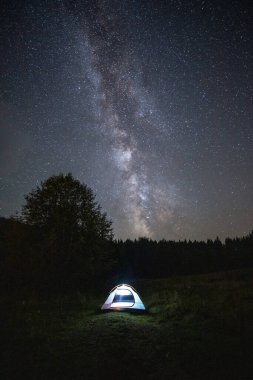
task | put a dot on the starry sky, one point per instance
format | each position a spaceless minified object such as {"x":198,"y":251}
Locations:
{"x":147,"y":102}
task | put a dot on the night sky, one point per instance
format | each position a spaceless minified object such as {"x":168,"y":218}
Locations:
{"x":147,"y":102}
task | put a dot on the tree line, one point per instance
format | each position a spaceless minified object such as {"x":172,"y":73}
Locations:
{"x":62,"y":239}
{"x":156,"y":259}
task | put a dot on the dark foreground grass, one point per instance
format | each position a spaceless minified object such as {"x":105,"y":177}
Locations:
{"x":196,"y":327}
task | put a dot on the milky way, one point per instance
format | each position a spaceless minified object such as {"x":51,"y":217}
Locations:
{"x":126,"y":115}
{"x":150,"y":104}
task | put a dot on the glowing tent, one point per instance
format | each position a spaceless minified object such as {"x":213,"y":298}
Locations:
{"x":123,"y":297}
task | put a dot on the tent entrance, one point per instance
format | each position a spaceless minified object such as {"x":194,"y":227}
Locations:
{"x":123,"y":295}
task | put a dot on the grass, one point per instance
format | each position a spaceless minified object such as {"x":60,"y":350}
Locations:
{"x":197,"y":327}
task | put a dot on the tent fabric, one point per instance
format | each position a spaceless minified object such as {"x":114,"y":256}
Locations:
{"x":123,"y":297}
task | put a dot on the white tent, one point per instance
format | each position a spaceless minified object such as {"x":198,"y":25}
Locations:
{"x":123,"y":297}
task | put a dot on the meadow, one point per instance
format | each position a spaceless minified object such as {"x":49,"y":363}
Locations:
{"x":196,"y":327}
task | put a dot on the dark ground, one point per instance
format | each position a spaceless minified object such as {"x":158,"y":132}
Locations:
{"x":197,"y":327}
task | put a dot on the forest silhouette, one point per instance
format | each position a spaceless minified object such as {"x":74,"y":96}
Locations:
{"x":63,"y":240}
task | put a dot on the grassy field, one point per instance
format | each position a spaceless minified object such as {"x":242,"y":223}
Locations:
{"x":197,"y":327}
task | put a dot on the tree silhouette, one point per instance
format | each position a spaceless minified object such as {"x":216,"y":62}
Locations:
{"x":75,"y":234}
